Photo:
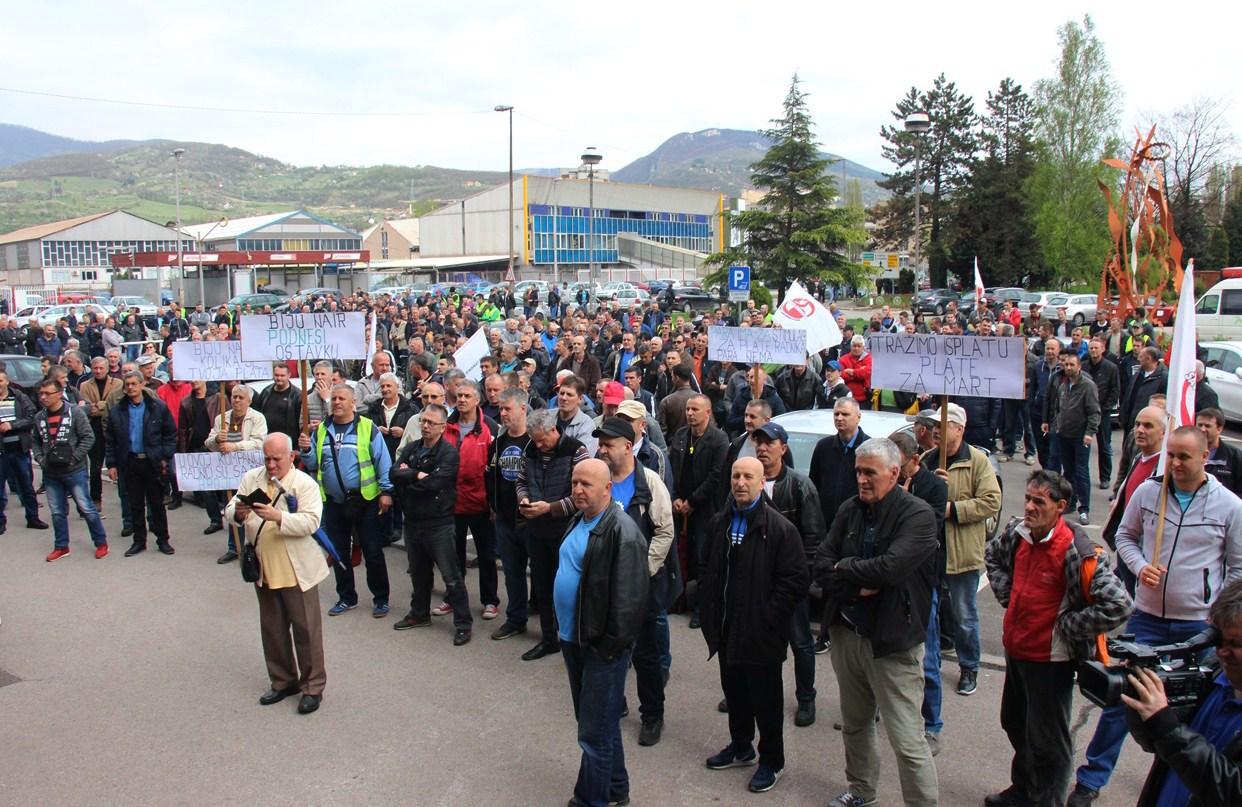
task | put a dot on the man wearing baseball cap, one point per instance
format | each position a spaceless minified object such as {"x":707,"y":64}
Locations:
{"x":974,"y":497}
{"x":646,"y":450}
{"x":834,"y":384}
{"x":796,"y":499}
{"x":644,"y":497}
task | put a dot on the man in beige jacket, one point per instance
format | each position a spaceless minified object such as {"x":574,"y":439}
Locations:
{"x":292,"y":567}
{"x":974,"y":497}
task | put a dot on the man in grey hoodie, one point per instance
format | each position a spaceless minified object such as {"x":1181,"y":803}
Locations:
{"x":1200,"y":553}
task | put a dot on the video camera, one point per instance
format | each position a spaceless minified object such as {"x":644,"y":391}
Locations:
{"x":1177,"y":666}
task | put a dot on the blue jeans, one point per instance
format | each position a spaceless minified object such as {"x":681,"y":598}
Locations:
{"x":963,"y":592}
{"x":597,"y":688}
{"x":511,"y":546}
{"x":76,"y":485}
{"x":932,"y":692}
{"x":1075,"y":467}
{"x":15,"y":469}
{"x":803,"y":646}
{"x":1111,"y":731}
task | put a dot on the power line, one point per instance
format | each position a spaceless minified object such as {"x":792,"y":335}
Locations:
{"x":239,"y":110}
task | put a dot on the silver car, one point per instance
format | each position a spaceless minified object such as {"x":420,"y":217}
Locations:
{"x":1224,"y":373}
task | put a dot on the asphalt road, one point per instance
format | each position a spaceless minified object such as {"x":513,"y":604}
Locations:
{"x":133,"y":681}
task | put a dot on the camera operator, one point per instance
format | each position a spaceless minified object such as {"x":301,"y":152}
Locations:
{"x":1200,"y":554}
{"x":1205,"y":757}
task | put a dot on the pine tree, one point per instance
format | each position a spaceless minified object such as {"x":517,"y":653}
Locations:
{"x":1216,"y":256}
{"x":797,"y":232}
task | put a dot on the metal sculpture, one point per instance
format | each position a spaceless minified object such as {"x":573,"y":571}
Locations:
{"x":1147,"y":254}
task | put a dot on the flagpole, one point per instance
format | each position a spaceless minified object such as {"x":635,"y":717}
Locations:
{"x":1169,"y":425}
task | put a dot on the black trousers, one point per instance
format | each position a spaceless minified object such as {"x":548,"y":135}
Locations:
{"x":97,"y":459}
{"x":1035,"y":714}
{"x":145,"y":491}
{"x":480,"y":526}
{"x":361,"y":521}
{"x":755,"y":695}
{"x":545,"y":557}
{"x":427,"y":549}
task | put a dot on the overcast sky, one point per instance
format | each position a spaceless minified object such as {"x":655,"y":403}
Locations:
{"x":621,"y":78}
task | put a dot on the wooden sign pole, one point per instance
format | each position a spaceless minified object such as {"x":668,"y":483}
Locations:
{"x":302,"y":368}
{"x":944,"y":432}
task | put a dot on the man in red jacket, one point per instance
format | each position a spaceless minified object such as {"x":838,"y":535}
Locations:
{"x":472,"y":432}
{"x":1037,"y":568}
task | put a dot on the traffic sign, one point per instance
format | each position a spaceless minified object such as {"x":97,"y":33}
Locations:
{"x":739,"y":283}
{"x":868,"y":258}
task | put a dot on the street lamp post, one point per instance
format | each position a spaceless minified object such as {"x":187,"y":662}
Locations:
{"x":176,"y":153}
{"x":507,"y":108}
{"x":591,"y":158}
{"x":202,"y":293}
{"x":918,"y":124}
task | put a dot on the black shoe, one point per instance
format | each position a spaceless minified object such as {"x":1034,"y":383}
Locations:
{"x":165,"y":547}
{"x":540,"y":650}
{"x":410,"y":621}
{"x":4,"y":528}
{"x":35,"y":524}
{"x":135,"y":549}
{"x":308,"y":704}
{"x":694,"y":621}
{"x":822,"y":645}
{"x":1010,"y":797}
{"x":506,"y":631}
{"x":174,"y":504}
{"x":227,"y":557}
{"x":805,"y":716}
{"x":126,"y":532}
{"x":968,"y":682}
{"x":1081,"y":796}
{"x":723,"y":706}
{"x":461,"y":637}
{"x":213,"y":528}
{"x":649,"y":734}
{"x":1104,"y":483}
{"x":625,"y":707}
{"x":277,"y":695}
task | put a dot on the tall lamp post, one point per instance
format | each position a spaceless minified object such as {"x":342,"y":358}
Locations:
{"x":591,"y":158}
{"x":918,"y":124}
{"x":507,"y":108}
{"x":176,"y":153}
{"x":202,"y":294}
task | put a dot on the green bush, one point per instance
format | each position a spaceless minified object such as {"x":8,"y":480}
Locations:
{"x":761,"y":295}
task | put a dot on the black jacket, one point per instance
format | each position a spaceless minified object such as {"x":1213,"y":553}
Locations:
{"x":1205,"y":397}
{"x":1226,"y":465}
{"x":706,"y":465}
{"x":1212,"y":777}
{"x":983,"y":419}
{"x":1107,"y":381}
{"x":24,"y":412}
{"x":405,"y":410}
{"x":902,"y":567}
{"x":932,"y":489}
{"x":795,"y":498}
{"x":832,"y":473}
{"x":292,"y":414}
{"x":771,"y":579}
{"x":801,"y":392}
{"x":426,"y":502}
{"x":159,"y":433}
{"x":612,"y":592}
{"x":1141,"y":390}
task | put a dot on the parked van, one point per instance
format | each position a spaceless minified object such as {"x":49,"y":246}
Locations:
{"x":1218,"y":313}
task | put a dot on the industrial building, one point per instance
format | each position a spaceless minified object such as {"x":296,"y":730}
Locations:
{"x":391,"y":240}
{"x":639,"y":229}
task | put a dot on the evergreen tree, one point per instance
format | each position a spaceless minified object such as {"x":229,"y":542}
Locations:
{"x":994,"y":222}
{"x":1217,"y":254}
{"x":797,"y":232}
{"x":1077,"y":119}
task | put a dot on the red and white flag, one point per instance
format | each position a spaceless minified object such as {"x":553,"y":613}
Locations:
{"x":1181,"y":390}
{"x":978,"y":285}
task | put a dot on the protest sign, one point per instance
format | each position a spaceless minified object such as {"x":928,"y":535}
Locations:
{"x":317,"y":335}
{"x":215,"y":361}
{"x":925,"y":364}
{"x":762,"y":345}
{"x":800,"y":310}
{"x":211,"y":470}
{"x":469,"y":355}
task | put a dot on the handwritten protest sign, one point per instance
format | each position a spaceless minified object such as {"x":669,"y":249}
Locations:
{"x":214,"y":471}
{"x":990,"y":366}
{"x":469,"y":355}
{"x":325,"y":335}
{"x":762,"y":345}
{"x":215,"y":361}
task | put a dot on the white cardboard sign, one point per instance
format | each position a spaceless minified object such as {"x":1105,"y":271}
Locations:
{"x":316,"y":335}
{"x":470,"y":355}
{"x":761,"y":345}
{"x":215,"y":361}
{"x":987,"y":366}
{"x":211,"y":470}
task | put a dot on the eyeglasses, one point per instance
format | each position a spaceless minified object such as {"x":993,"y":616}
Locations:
{"x":427,"y":424}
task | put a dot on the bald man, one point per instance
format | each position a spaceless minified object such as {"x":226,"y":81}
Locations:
{"x":597,"y":632}
{"x":754,"y":575}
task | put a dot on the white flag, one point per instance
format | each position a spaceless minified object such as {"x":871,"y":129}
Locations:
{"x":1180,"y":394}
{"x":978,"y":285}
{"x":800,"y":310}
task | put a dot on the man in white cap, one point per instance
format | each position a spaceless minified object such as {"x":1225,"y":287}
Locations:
{"x":974,"y":497}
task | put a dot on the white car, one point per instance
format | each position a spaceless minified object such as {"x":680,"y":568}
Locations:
{"x":145,"y":307}
{"x":23,"y":315}
{"x":609,"y":290}
{"x":1079,"y":308}
{"x":628,"y":297}
{"x":52,"y":315}
{"x":1224,"y":373}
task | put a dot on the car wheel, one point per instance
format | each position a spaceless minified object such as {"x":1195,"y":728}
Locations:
{"x":939,"y":310}
{"x":688,"y":308}
{"x":1078,"y":320}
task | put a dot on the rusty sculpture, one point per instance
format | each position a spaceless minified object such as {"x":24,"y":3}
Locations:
{"x":1147,"y":253}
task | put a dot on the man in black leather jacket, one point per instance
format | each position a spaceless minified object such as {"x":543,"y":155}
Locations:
{"x":600,"y":596}
{"x":1204,"y":756}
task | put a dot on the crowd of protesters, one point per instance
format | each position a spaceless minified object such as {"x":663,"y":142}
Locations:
{"x":609,"y":455}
